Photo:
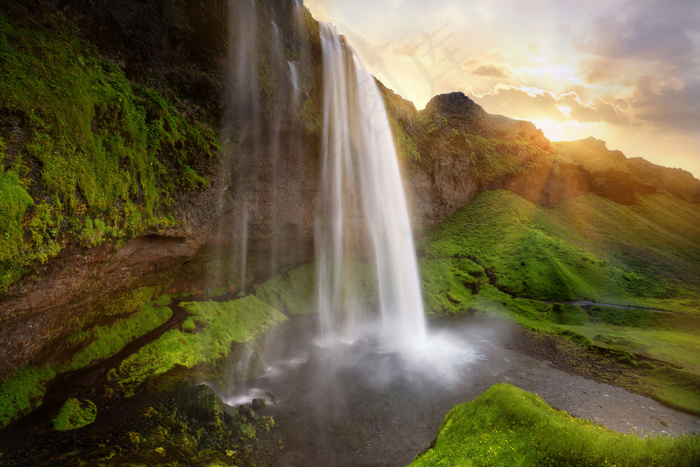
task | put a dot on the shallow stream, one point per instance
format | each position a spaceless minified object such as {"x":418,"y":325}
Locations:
{"x":355,"y":404}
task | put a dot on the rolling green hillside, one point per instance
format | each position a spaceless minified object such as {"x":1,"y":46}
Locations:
{"x":505,"y":257}
{"x":586,"y":248}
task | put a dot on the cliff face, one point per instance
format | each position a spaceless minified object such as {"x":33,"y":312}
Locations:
{"x":453,"y":150}
{"x":620,"y":178}
{"x":119,"y":182}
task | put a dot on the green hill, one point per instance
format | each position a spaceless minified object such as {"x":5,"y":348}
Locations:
{"x":587,"y":248}
{"x":635,"y":266}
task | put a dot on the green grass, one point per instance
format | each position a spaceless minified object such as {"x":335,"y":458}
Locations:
{"x":449,"y":283}
{"x":98,"y":158}
{"x":645,"y":255}
{"x":293,"y":293}
{"x":510,"y":427}
{"x":586,"y":248}
{"x":75,"y":414}
{"x":222,"y":324}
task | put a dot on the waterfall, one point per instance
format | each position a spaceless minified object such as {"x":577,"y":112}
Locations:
{"x":362,"y":214}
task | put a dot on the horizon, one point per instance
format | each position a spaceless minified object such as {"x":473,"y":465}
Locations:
{"x":626,"y":73}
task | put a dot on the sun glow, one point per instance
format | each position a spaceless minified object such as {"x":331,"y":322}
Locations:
{"x":559,"y":131}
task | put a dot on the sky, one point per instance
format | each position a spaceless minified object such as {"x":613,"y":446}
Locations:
{"x":624,"y":71}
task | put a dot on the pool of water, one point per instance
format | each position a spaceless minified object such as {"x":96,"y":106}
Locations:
{"x":357,"y":404}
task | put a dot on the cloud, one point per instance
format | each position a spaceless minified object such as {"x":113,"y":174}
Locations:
{"x":515,"y":101}
{"x":534,"y":104}
{"x":659,"y":31}
{"x":667,"y":106}
{"x":491,"y":70}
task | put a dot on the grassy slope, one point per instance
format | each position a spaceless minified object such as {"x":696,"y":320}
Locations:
{"x":86,"y":154}
{"x":587,"y":248}
{"x":508,"y":426}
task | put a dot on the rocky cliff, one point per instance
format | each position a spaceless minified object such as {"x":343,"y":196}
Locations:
{"x":118,"y":181}
{"x":453,"y":150}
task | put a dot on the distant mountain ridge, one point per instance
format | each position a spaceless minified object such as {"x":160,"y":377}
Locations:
{"x":454,"y":150}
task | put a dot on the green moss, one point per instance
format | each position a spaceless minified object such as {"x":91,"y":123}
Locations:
{"x":293,"y":293}
{"x":25,"y":390}
{"x":108,"y":340}
{"x":100,"y":156}
{"x":568,"y":314}
{"x":449,"y":284}
{"x":223,"y":323}
{"x":508,"y":426}
{"x":75,"y":414}
{"x":405,"y":145}
{"x":677,"y":388}
{"x":22,"y":392}
{"x":14,"y":201}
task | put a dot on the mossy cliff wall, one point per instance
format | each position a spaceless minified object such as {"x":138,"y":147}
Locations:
{"x":116,"y":174}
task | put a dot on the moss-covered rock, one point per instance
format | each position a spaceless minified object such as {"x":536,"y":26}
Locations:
{"x":508,"y":426}
{"x":222,"y":324}
{"x":88,"y":155}
{"x":75,"y":414}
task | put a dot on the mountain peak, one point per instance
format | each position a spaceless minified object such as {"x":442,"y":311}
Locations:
{"x":454,"y":104}
{"x":464,"y":114}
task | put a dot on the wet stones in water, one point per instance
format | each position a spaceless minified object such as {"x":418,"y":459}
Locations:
{"x":273,"y":397}
{"x":259,"y":403}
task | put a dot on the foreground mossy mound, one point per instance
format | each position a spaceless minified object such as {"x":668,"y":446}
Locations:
{"x":509,"y":426}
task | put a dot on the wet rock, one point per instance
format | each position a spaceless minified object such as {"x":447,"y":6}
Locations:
{"x":273,"y":397}
{"x":248,"y":413}
{"x":232,"y":416}
{"x":201,"y":403}
{"x":259,"y":403}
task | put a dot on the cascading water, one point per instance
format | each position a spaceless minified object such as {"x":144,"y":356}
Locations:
{"x":362,"y":211}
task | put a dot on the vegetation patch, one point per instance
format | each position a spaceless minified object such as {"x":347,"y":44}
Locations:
{"x":24,"y":391}
{"x":221,"y":323}
{"x":586,"y":248}
{"x":86,"y":155}
{"x":75,"y":414}
{"x":508,"y":426}
{"x":293,"y":293}
{"x":106,"y":341}
{"x":501,"y":255}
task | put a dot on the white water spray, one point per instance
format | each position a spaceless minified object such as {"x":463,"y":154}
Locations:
{"x":362,"y":211}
